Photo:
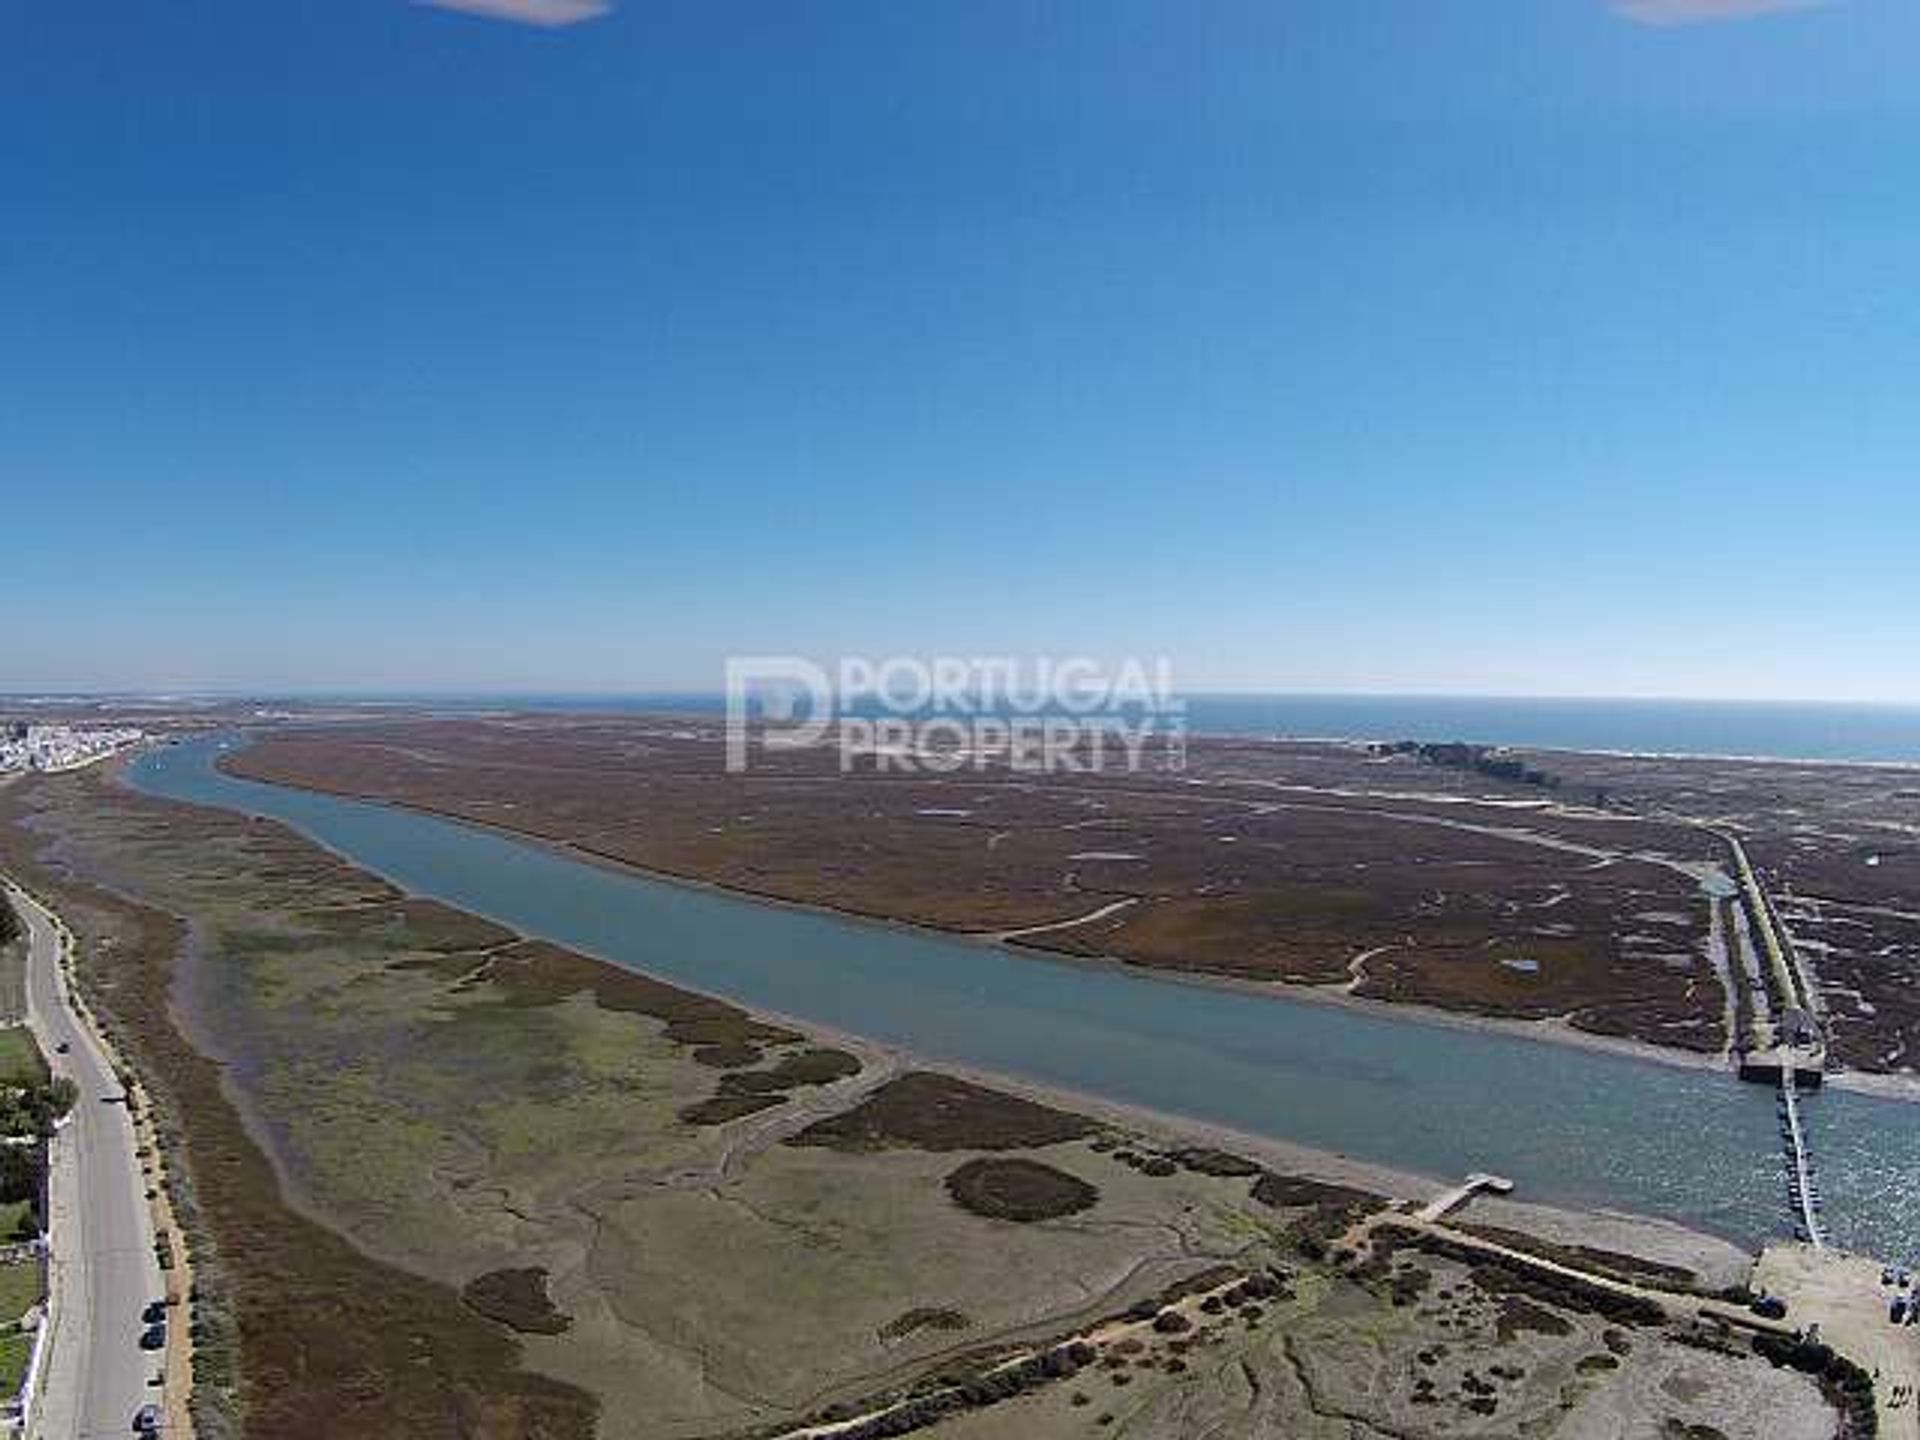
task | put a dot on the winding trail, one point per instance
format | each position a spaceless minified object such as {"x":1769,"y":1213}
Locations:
{"x":1072,"y":922}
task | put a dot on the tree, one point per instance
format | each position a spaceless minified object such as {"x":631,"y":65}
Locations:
{"x":19,"y":1177}
{"x":61,"y":1093}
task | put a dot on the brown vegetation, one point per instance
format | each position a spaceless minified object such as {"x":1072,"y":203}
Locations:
{"x":723,"y":1109}
{"x":924,"y":1317}
{"x":1632,"y":1269}
{"x":746,"y":1092}
{"x":1216,"y":1162}
{"x":1284,"y":1192}
{"x":1505,"y":1281}
{"x":518,"y":1299}
{"x":1518,"y":1314}
{"x":813,"y":1066}
{"x":728,"y":1057}
{"x":923,"y":1111}
{"x":1021,"y":1190}
{"x":534,"y":973}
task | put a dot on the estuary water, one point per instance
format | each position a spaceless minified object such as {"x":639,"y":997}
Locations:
{"x":1568,"y":1125}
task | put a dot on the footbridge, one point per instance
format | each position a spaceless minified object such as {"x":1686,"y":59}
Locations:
{"x":1803,"y":1187}
{"x":1787,"y":1047}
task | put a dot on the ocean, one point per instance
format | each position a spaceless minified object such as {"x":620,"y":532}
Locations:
{"x":1791,"y":730}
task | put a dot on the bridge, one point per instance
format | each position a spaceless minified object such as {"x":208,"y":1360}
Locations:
{"x":1787,"y":1046}
{"x":1802,"y":1187}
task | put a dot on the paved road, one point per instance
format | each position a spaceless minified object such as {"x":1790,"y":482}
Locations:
{"x":103,"y":1271}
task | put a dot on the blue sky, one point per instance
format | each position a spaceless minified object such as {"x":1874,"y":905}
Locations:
{"x":1496,"y":345}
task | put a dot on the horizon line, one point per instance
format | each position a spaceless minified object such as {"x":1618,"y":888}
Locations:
{"x":427,"y":693}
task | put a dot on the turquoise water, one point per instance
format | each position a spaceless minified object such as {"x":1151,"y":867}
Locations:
{"x":1567,"y":1125}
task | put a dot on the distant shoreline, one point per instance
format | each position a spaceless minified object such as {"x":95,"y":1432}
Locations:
{"x":1796,"y":732}
{"x":396,"y":710}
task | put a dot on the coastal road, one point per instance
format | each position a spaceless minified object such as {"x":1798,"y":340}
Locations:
{"x":102,"y":1271}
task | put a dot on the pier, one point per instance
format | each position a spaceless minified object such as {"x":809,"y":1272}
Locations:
{"x":1785,"y":1043}
{"x":1802,"y":1187}
{"x":1448,"y":1201}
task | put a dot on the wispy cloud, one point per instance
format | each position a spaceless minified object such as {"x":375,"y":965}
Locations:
{"x":549,"y":14}
{"x":1701,"y":12}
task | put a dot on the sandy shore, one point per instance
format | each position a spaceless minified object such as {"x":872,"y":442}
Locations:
{"x":1881,"y":1087}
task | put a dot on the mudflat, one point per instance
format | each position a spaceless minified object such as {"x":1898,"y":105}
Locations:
{"x":443,"y":1181}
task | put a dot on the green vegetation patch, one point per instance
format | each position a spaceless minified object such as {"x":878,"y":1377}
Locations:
{"x":20,"y":1290}
{"x":18,"y":1223}
{"x":1022,"y":1190}
{"x":21,"y":1062}
{"x":15,"y":1351}
{"x":13,"y":964}
{"x":922,"y":1111}
{"x":517,"y":1299}
{"x":30,"y":1102}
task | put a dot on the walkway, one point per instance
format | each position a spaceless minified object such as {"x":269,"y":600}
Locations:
{"x":1801,"y":1185}
{"x":1448,"y":1201}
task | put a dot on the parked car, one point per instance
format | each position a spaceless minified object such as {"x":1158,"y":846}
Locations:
{"x":154,"y":1337}
{"x":146,"y":1420}
{"x":62,"y":1048}
{"x":155,"y":1313}
{"x":1769,"y":1307}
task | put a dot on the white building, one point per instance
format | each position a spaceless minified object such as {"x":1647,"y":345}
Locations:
{"x":61,"y":747}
